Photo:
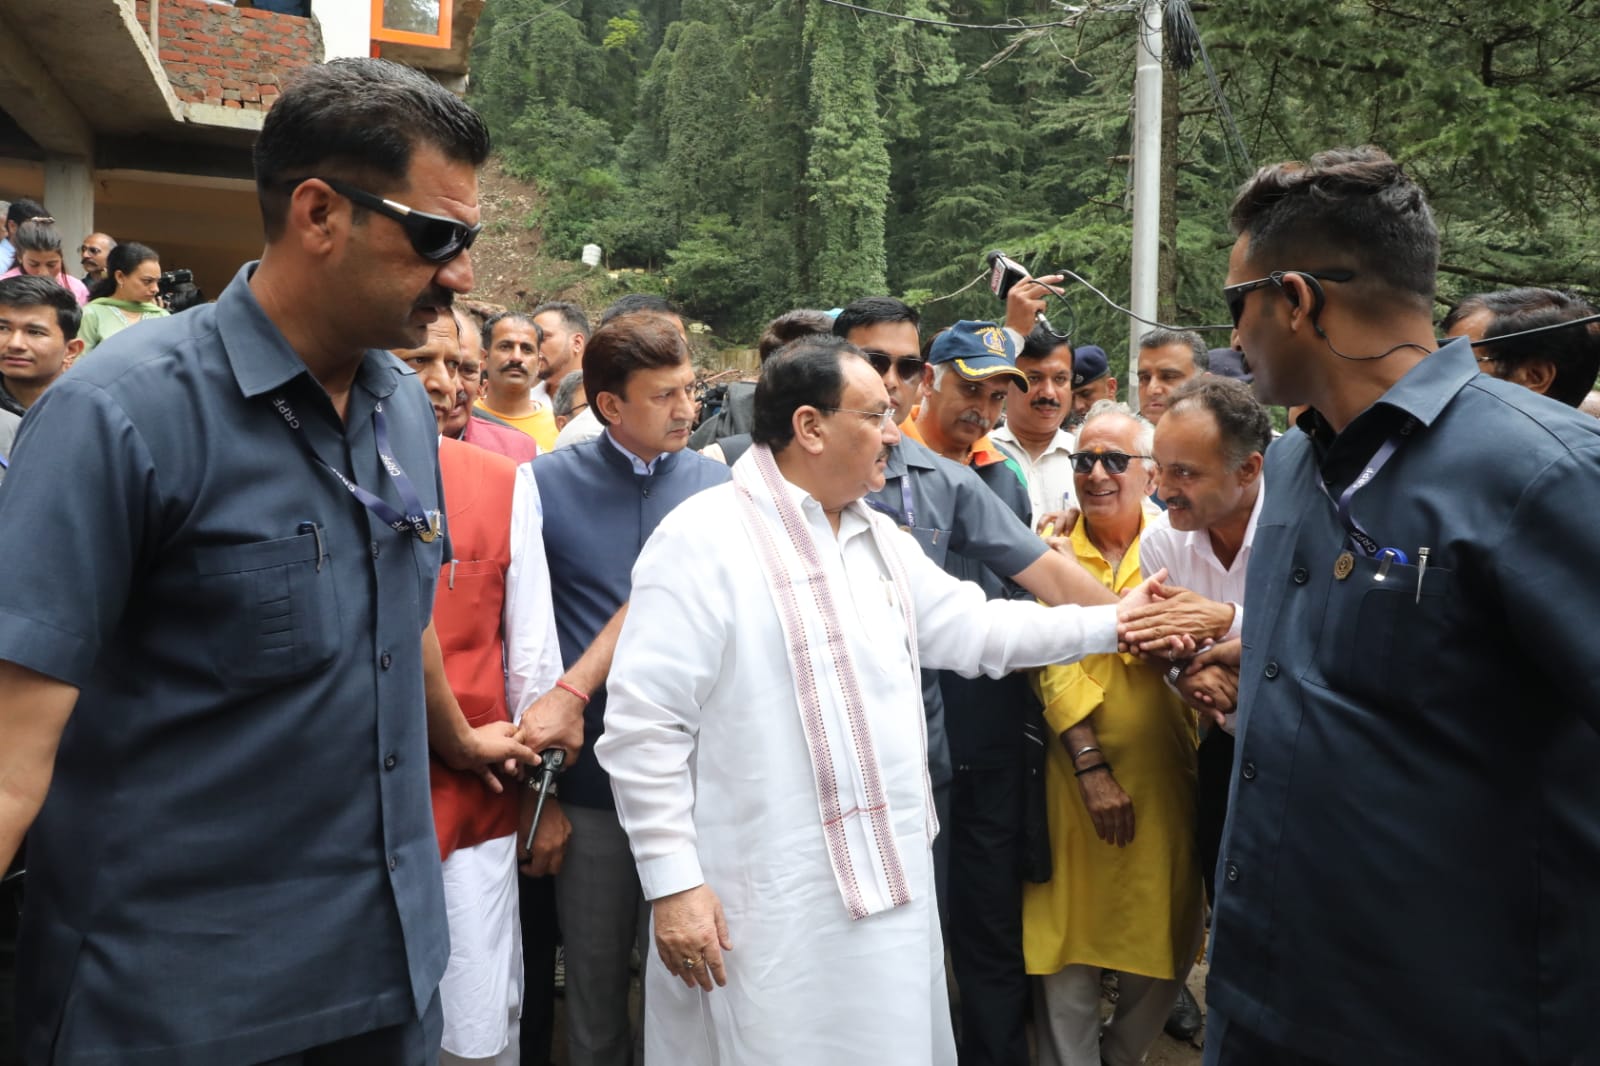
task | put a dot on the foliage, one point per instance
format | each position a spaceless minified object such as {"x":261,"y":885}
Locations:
{"x":768,"y":154}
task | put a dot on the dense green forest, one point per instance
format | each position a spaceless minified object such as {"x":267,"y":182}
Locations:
{"x":768,"y":154}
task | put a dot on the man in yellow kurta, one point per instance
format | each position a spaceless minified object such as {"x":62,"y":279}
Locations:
{"x":1121,"y":791}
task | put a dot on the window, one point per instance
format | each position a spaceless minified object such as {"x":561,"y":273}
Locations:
{"x":419,"y":22}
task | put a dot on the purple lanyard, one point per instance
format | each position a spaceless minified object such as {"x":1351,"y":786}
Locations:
{"x":1364,"y":540}
{"x":424,"y":524}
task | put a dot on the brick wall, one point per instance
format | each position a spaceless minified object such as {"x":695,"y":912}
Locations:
{"x":227,"y":56}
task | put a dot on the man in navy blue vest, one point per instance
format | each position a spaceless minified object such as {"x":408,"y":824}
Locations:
{"x":602,"y":500}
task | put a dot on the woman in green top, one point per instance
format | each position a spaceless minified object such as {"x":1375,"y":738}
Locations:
{"x":127,"y":294}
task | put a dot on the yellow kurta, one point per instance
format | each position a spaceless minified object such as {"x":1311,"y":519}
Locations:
{"x":1137,"y":908}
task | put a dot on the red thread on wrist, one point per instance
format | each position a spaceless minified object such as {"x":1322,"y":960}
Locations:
{"x":563,"y":685}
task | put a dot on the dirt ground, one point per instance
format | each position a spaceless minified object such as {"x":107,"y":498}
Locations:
{"x":1165,"y":1052}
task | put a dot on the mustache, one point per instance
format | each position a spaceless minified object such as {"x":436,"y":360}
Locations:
{"x":1177,"y":501}
{"x":975,"y":419}
{"x":1044,"y":402}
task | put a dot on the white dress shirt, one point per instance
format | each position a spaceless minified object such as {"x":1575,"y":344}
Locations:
{"x":1049,"y":477}
{"x":1191,"y":562}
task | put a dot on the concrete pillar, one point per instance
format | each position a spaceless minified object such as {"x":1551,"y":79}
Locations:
{"x":69,"y":197}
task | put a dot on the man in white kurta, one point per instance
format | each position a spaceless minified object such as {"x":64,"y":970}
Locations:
{"x":799,"y":812}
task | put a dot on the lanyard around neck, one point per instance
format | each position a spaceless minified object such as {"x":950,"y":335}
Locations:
{"x":1364,"y":540}
{"x":424,"y":524}
{"x":908,"y":504}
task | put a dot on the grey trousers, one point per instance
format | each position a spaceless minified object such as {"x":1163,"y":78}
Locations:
{"x":1067,"y":1013}
{"x":603,"y":917}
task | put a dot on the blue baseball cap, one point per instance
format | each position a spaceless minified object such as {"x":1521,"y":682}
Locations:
{"x":1227,"y":363}
{"x":978,"y":351}
{"x":1089,"y":363}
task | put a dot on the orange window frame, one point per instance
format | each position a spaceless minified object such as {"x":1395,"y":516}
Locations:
{"x":424,"y":40}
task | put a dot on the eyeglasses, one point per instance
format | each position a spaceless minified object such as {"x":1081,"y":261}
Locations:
{"x":908,"y":367}
{"x":89,"y":249}
{"x":1114,"y":462}
{"x":884,"y":418}
{"x":434,"y":237}
{"x":1235,"y":294}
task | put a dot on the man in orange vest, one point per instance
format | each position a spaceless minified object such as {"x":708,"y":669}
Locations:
{"x":497,"y":632}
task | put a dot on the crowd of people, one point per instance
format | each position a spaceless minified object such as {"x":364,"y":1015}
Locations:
{"x":921,"y":649}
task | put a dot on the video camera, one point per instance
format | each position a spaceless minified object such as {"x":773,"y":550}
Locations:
{"x":177,"y":291}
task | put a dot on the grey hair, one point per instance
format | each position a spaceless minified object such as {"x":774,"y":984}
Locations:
{"x":561,"y":402}
{"x":1107,"y":408}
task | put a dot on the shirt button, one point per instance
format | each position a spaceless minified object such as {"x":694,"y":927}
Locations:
{"x":386,"y":660}
{"x":1301,"y":575}
{"x":1271,"y":671}
{"x":394,"y":861}
{"x":1247,"y":771}
{"x":390,"y":761}
{"x":647,"y":492}
{"x":1231,"y":871}
{"x":373,"y":548}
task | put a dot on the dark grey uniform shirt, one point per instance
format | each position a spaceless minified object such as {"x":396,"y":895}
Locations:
{"x":1411,"y":868}
{"x":950,"y":509}
{"x":236,"y":858}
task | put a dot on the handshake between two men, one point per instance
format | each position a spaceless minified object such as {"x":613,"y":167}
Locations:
{"x":1162,"y":622}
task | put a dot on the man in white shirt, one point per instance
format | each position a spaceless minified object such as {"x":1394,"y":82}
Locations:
{"x":1033,"y":434}
{"x":1209,"y":450}
{"x":766,"y":745}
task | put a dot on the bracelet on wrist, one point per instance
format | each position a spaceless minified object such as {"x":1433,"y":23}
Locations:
{"x":1081,"y":752}
{"x":568,"y":688}
{"x":1101,"y":765}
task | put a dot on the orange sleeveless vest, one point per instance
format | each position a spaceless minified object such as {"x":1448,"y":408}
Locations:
{"x":467,"y":612}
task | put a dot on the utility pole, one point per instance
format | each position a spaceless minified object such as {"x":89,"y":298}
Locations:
{"x":1146,"y":182}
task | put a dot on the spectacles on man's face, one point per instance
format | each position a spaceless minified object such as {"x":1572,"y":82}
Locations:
{"x":1114,"y":462}
{"x":434,"y":237}
{"x":908,"y":367}
{"x":884,"y":418}
{"x":1235,"y":294}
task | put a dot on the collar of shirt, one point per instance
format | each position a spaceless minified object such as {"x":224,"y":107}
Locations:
{"x":9,"y":402}
{"x":1197,"y":542}
{"x":638,"y":465}
{"x":982,"y":453}
{"x":853,"y":520}
{"x":1061,"y":442}
{"x":1421,"y":394}
{"x":261,"y":358}
{"x":1126,"y":576}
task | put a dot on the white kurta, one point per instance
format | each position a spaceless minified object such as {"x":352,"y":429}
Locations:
{"x":714,"y":784}
{"x":481,"y":991}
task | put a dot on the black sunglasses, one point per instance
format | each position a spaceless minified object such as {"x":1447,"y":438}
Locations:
{"x":1114,"y":462}
{"x":909,"y":367}
{"x":434,"y":237}
{"x":1235,"y":294}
